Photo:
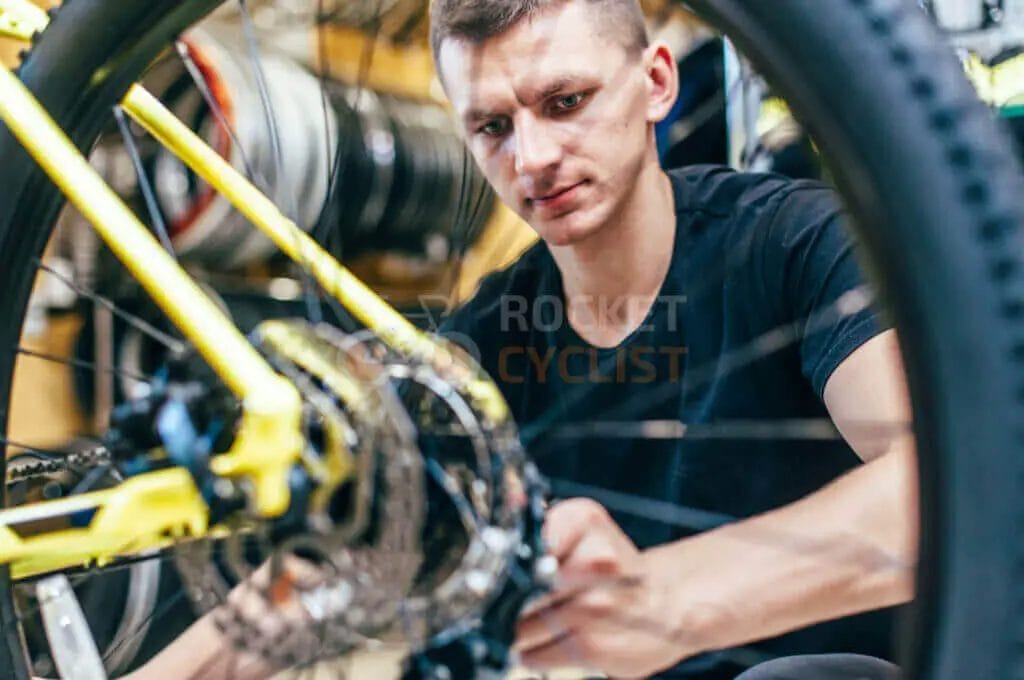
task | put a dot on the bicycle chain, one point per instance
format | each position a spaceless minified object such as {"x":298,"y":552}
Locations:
{"x":19,"y":471}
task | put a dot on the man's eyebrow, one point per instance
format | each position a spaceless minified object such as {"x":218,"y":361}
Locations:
{"x":554,"y":87}
{"x":477,"y":115}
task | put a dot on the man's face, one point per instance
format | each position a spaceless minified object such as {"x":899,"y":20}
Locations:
{"x":555,"y":111}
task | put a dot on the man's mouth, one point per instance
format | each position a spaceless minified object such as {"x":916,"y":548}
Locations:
{"x":555,"y":197}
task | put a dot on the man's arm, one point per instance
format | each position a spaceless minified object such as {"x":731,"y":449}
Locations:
{"x":847,"y":548}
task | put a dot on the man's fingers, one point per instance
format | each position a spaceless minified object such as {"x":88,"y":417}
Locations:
{"x":574,"y":610}
{"x":560,"y":652}
{"x":565,"y":524}
{"x":596,"y":553}
{"x":541,"y":627}
{"x":595,"y":561}
{"x":552,"y":598}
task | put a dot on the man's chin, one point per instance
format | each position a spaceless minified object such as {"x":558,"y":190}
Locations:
{"x":566,"y":231}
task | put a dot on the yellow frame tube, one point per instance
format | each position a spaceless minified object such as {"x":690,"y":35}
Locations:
{"x":21,"y":19}
{"x":147,"y":110}
{"x":336,"y":280}
{"x":145,"y":512}
{"x":268,"y":442}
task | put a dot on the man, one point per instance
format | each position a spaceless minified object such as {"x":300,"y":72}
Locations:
{"x":706,"y":298}
{"x":701,"y":297}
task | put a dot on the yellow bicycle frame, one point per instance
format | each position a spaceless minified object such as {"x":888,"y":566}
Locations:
{"x":152,"y":510}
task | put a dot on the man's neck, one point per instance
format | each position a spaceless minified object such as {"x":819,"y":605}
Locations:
{"x":611,"y":279}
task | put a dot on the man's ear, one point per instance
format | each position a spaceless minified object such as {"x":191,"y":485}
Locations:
{"x":662,"y":81}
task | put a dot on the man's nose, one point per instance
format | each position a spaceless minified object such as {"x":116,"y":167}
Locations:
{"x":537,"y":148}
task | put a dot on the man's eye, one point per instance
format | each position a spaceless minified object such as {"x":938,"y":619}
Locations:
{"x":568,"y":102}
{"x":493,"y":128}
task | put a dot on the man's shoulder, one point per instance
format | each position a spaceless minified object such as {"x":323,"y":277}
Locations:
{"x":522,"y":279}
{"x":722,"y":192}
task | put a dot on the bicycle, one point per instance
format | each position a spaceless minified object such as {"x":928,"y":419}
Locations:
{"x":937,"y":214}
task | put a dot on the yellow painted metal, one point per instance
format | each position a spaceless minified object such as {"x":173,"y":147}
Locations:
{"x":999,"y":85}
{"x":21,"y":19}
{"x":144,"y":512}
{"x":338,"y":281}
{"x":269,"y":441}
{"x":324,"y":362}
{"x":302,"y":351}
{"x":266,"y":448}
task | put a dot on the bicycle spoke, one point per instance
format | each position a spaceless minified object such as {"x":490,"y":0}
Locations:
{"x":457,"y":228}
{"x":695,"y":519}
{"x":158,"y":612}
{"x":463,"y":235}
{"x":812,"y":429}
{"x":336,"y":164}
{"x":183,"y":50}
{"x":269,"y":121}
{"x":35,"y":451}
{"x":79,"y":577}
{"x":121,"y":564}
{"x":185,"y":55}
{"x":371,"y":34}
{"x":145,"y":186}
{"x":849,"y":303}
{"x":173,"y":344}
{"x":281,"y":194}
{"x":82,"y":363}
{"x":333,"y":151}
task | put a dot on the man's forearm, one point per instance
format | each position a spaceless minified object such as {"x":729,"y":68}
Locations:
{"x":847,"y":548}
{"x":203,"y":653}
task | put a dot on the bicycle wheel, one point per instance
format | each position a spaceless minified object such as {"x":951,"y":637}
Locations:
{"x":933,"y":189}
{"x":935,"y":192}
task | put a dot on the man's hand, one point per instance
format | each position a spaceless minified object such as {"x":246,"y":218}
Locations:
{"x":607,"y":610}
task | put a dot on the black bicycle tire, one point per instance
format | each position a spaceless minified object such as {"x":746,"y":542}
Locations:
{"x":941,"y":230}
{"x":938,"y":217}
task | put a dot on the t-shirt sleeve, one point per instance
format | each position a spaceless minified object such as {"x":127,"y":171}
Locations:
{"x":811,"y":266}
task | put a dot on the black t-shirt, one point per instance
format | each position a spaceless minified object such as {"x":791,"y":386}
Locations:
{"x":762,"y":301}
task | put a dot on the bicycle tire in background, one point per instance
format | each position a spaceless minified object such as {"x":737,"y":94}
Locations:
{"x":936,"y":194}
{"x":928,"y":176}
